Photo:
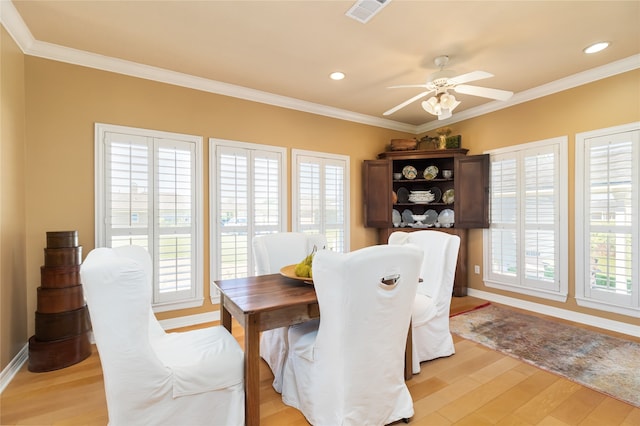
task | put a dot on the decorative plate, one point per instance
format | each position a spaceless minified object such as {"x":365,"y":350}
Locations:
{"x":396,"y":218}
{"x":446,"y":218}
{"x":430,"y":172}
{"x":409,"y":172}
{"x":403,"y":195}
{"x":290,"y":272}
{"x":407,"y":216}
{"x":437,"y":193}
{"x":431,"y":217}
{"x":448,"y":196}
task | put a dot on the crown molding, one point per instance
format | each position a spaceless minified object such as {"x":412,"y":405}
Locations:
{"x":133,"y":69}
{"x":16,"y":27}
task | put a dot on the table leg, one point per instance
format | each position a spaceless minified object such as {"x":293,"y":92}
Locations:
{"x":226,"y":315}
{"x":408,"y":355}
{"x":252,"y":370}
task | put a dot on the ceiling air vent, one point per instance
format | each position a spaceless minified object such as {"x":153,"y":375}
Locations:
{"x":363,"y":10}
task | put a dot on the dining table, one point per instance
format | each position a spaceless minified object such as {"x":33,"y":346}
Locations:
{"x":265,"y":302}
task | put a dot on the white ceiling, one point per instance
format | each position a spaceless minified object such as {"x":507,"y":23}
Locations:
{"x":282,"y":52}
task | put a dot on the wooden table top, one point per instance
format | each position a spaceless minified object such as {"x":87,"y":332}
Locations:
{"x":266,"y":292}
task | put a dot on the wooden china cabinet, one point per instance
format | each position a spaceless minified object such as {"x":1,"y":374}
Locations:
{"x":466,"y":193}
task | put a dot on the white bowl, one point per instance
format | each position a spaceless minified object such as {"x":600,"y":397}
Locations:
{"x":419,"y":217}
{"x":446,"y":218}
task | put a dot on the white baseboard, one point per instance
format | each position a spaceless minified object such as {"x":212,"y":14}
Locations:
{"x":189,"y":320}
{"x":591,"y":320}
{"x":14,"y":366}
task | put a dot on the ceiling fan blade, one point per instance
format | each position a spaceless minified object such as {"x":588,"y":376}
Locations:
{"x":471,"y":76}
{"x":407,"y":85}
{"x":407,"y":102}
{"x":484,"y":92}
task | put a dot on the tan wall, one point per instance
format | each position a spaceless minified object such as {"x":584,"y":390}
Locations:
{"x":13,"y":298}
{"x":605,"y":103}
{"x":64,"y":101}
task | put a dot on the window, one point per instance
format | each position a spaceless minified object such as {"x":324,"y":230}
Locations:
{"x":608,"y":219}
{"x":148,"y":186}
{"x":526,"y":243}
{"x":321,"y":196}
{"x":250,"y":199}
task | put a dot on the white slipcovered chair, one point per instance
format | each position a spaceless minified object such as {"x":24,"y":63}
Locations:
{"x":430,"y":318}
{"x":271,"y":252}
{"x":347,"y":367}
{"x":152,"y":377}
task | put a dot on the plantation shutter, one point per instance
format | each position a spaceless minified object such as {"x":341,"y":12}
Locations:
{"x":504,"y":182}
{"x":320,"y":194}
{"x":233,"y":207}
{"x":540,"y":221}
{"x":334,"y":223}
{"x":128,"y":191}
{"x":613,"y":189}
{"x":147,"y":195}
{"x":526,"y":242}
{"x":249,"y":202}
{"x":174,"y":222}
{"x":309,"y":196}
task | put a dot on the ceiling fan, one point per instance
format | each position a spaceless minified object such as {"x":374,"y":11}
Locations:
{"x":443,"y":103}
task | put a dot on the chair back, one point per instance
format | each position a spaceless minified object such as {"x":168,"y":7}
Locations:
{"x":119,"y":301}
{"x":152,"y":377}
{"x":363,"y":328}
{"x":439,"y":265}
{"x":273,"y":251}
{"x":140,"y":255}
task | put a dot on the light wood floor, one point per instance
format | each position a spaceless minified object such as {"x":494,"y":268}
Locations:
{"x":476,"y":386}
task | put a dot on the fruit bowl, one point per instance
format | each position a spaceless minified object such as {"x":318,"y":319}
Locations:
{"x":289,"y":272}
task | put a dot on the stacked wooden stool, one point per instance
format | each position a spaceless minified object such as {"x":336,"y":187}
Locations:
{"x":62,"y":320}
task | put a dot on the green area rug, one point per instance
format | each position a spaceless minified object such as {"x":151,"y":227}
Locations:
{"x":606,"y":364}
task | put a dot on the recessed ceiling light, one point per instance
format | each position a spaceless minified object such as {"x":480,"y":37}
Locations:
{"x":336,"y":75}
{"x":596,"y":47}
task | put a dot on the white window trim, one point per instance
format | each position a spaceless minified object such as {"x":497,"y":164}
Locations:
{"x":99,"y":132}
{"x":295,"y":153}
{"x":581,"y":242}
{"x":214,"y":195}
{"x":563,"y":229}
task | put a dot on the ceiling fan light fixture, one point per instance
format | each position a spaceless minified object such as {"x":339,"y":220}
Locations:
{"x":441,"y":105}
{"x":449,"y":101}
{"x":596,"y":47}
{"x":432,"y":106}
